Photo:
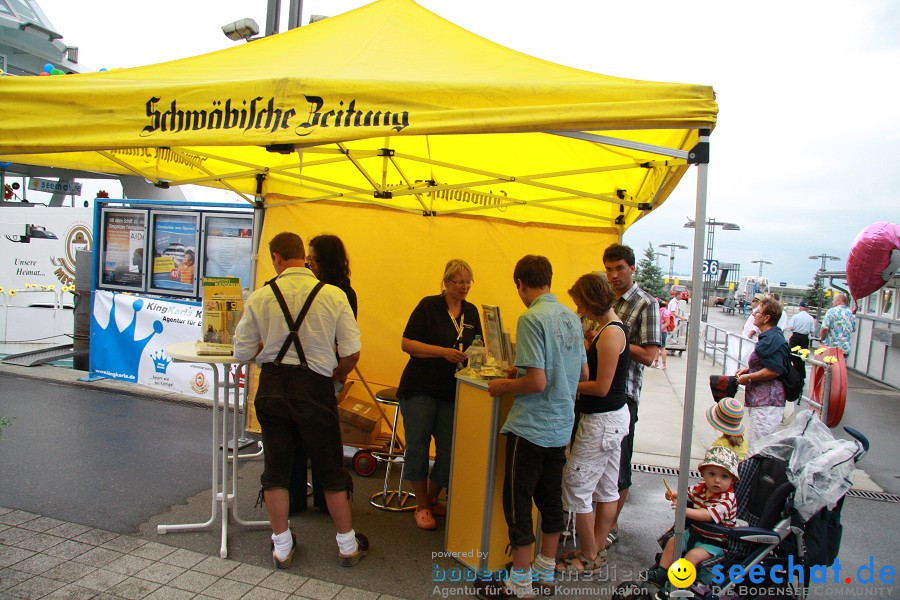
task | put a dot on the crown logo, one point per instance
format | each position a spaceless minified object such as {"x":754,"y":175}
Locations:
{"x":118,"y":353}
{"x":161,"y":362}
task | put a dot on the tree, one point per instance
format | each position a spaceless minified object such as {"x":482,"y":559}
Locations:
{"x":648,"y":275}
{"x":815,"y":297}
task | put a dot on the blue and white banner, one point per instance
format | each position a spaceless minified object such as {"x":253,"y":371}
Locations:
{"x":129,"y":335}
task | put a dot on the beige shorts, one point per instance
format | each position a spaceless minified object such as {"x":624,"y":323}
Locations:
{"x":592,"y":470}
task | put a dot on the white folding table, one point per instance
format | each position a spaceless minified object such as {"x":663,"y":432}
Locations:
{"x":223,"y":389}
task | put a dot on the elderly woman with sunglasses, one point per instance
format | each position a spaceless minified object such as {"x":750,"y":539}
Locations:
{"x":438,"y":332}
{"x":764,"y":397}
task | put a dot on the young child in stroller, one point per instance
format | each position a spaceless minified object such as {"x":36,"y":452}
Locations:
{"x":714,"y":501}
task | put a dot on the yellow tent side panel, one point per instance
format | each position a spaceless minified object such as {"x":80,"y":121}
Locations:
{"x":396,"y":259}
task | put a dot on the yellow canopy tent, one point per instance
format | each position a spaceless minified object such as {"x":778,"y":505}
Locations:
{"x":445,"y":145}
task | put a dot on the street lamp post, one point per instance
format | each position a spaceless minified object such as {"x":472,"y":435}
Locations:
{"x":711,"y":225}
{"x":761,"y":263}
{"x":672,"y":247}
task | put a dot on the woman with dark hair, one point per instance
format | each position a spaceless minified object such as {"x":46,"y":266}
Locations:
{"x":327,"y":259}
{"x":591,"y":475}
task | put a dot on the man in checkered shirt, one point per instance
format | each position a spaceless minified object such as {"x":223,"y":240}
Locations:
{"x":640,"y":314}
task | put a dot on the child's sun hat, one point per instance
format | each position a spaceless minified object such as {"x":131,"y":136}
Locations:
{"x":727,"y":416}
{"x":720,"y":456}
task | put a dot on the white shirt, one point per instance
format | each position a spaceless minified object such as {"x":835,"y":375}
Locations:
{"x":673,"y":305}
{"x":750,"y":330}
{"x":783,"y":321}
{"x":802,"y":323}
{"x":329,"y":320}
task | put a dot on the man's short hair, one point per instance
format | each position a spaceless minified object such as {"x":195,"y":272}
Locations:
{"x":288,"y":245}
{"x":619,"y":252}
{"x":533,"y":271}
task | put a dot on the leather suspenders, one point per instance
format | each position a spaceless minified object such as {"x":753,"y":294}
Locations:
{"x":293,"y":336}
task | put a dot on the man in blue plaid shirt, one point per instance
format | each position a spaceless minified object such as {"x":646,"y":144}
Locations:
{"x":640,"y":314}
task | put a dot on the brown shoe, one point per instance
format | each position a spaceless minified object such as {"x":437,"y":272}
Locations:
{"x":348,"y":560}
{"x":286,"y":563}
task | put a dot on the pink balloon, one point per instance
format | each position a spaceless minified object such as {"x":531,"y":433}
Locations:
{"x":869,"y":256}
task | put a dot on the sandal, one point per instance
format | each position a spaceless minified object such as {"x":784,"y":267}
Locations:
{"x":587,"y":566}
{"x":425,"y":519}
{"x":611,"y":537}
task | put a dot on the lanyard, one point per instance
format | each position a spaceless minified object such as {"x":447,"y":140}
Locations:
{"x":458,"y":327}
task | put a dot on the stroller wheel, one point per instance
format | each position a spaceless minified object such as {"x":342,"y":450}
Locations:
{"x":635,"y":590}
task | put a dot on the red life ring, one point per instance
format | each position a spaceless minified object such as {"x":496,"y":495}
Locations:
{"x":837,"y":399}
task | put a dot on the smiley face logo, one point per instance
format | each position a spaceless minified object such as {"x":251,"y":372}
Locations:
{"x":682,"y":573}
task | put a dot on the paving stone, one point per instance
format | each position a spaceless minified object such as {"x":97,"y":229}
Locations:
{"x":68,"y":530}
{"x":12,"y":577}
{"x":38,"y":563}
{"x":227,"y":589}
{"x":72,"y":592}
{"x":249,"y":574}
{"x":283,"y":582}
{"x":160,"y":573}
{"x":134,"y":588}
{"x":69,"y":549}
{"x":213,"y":565}
{"x":129,"y":564}
{"x":183,"y":558}
{"x":259,"y":593}
{"x":98,"y":557}
{"x":34,"y":588}
{"x":193,"y":581}
{"x":319,"y":590}
{"x":17,"y":517}
{"x":11,"y":536}
{"x":10,"y":555}
{"x":96,"y":537}
{"x":42,"y":524}
{"x":4,"y":510}
{"x":170,"y":593}
{"x":349,"y":593}
{"x":69,"y":571}
{"x":152,"y":550}
{"x":100,"y":580}
{"x":32,"y":540}
{"x":124,"y":543}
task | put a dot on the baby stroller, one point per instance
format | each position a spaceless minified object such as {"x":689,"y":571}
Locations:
{"x":790,"y":495}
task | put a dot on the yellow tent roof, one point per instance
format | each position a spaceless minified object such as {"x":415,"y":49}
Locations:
{"x":387,"y":105}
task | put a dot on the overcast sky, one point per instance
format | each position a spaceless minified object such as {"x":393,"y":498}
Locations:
{"x":809,"y":98}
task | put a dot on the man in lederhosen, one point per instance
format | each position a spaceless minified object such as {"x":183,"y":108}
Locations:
{"x":291,"y":326}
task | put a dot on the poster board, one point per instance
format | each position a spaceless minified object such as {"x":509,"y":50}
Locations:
{"x":223,"y":305}
{"x":123,"y":236}
{"x":227,"y":246}
{"x":175,"y":238}
{"x":496,"y":341}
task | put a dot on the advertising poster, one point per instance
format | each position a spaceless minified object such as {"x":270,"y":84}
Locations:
{"x":229,"y":245}
{"x":175,"y":252}
{"x":124,"y":240}
{"x":129,"y":335}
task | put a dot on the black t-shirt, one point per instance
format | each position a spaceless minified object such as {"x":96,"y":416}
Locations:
{"x":615,"y":398}
{"x":430,"y":323}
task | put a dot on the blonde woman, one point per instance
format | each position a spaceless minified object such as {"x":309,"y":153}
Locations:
{"x":438,"y":332}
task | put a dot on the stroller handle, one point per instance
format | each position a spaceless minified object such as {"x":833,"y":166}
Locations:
{"x":859,"y":437}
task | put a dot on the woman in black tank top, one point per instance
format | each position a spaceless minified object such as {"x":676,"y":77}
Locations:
{"x":601,"y":421}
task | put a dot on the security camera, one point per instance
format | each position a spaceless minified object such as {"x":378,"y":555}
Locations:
{"x":243,"y":29}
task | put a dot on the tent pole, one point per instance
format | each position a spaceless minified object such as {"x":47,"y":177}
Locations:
{"x":690,"y":384}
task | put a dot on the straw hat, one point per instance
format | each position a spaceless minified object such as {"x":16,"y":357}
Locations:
{"x":727,"y":416}
{"x":720,"y":456}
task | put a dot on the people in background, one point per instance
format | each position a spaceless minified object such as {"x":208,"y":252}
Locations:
{"x":437,"y":334}
{"x":640,"y":314}
{"x":666,"y":321}
{"x":591,"y":476}
{"x":764,"y":397}
{"x":801,"y":326}
{"x":838,"y":325}
{"x":295,"y":401}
